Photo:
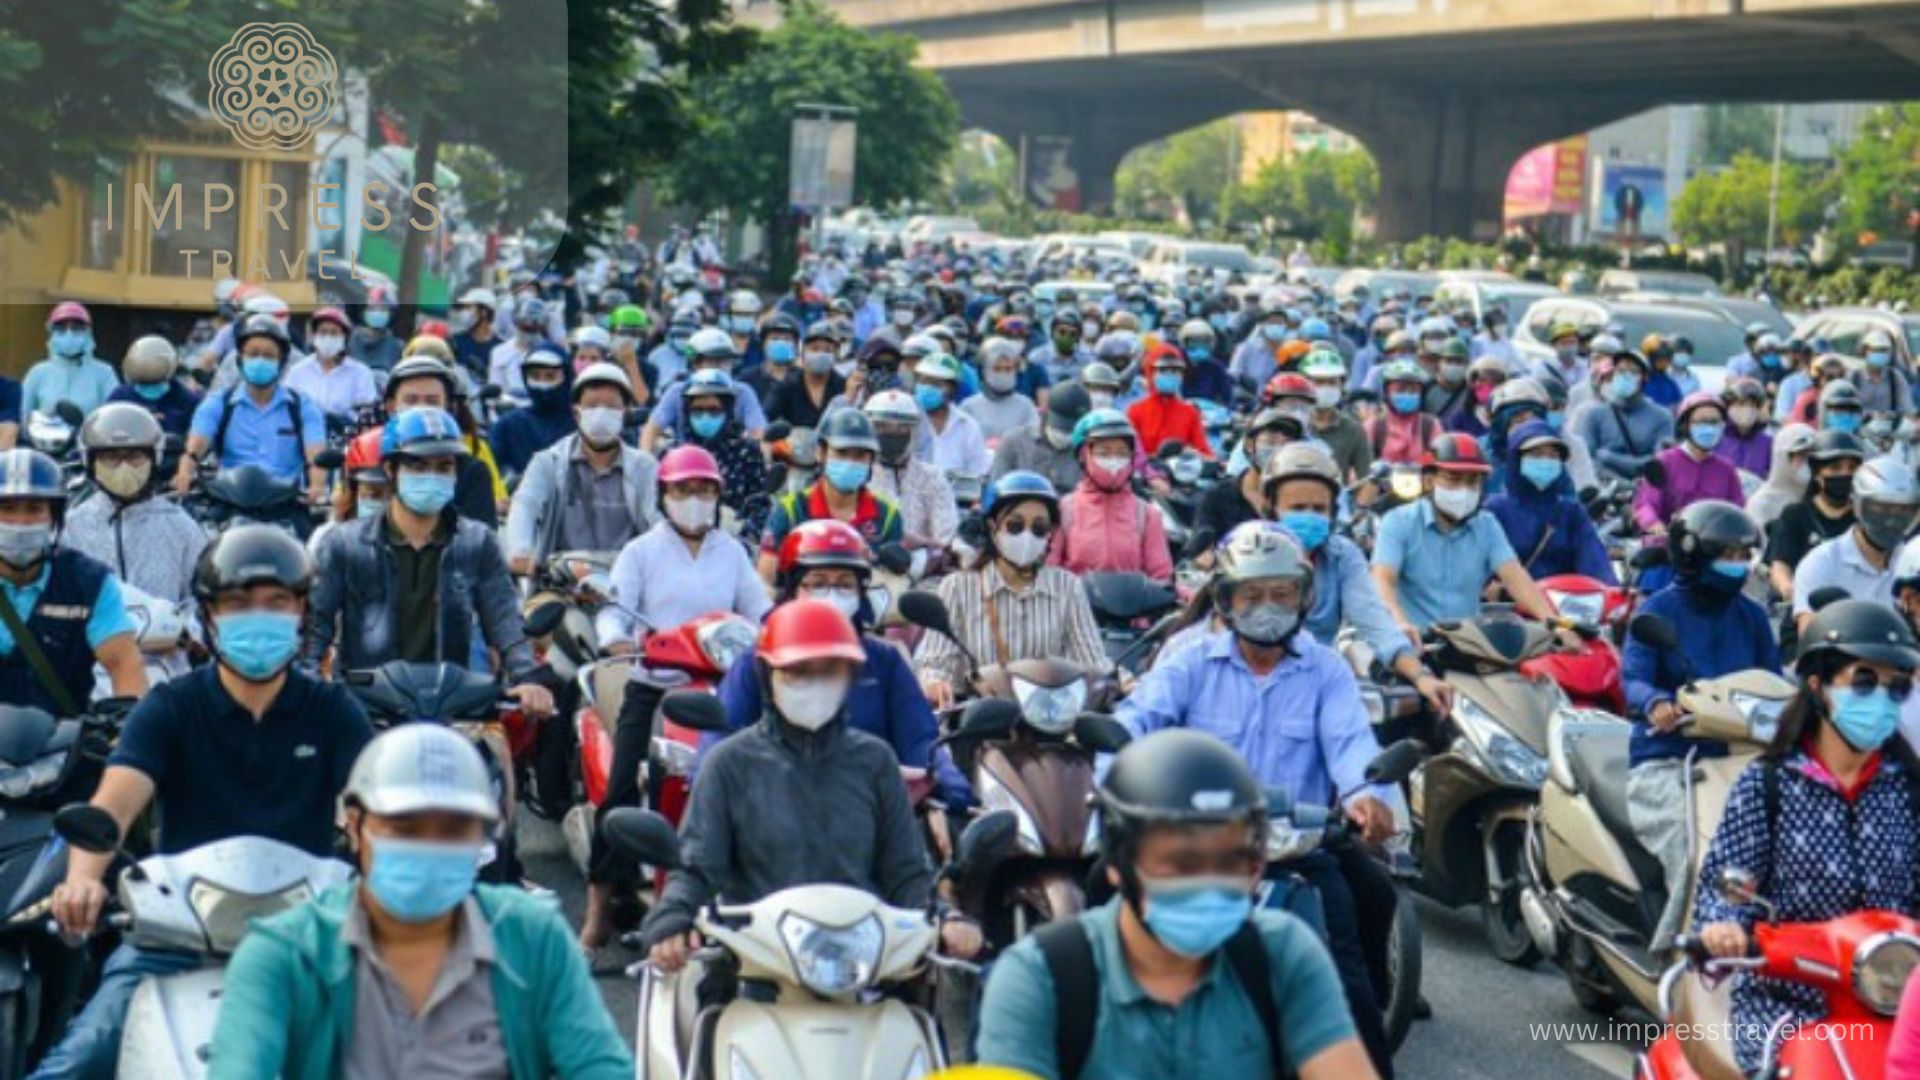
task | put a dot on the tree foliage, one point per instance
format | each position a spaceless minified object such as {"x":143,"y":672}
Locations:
{"x":1880,"y":175}
{"x":1731,"y":130}
{"x":984,"y":172}
{"x":1315,"y":196}
{"x":1730,"y":206}
{"x":1183,"y":176}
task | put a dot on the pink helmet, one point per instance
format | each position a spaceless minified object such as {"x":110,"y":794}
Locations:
{"x":69,"y":311}
{"x":1698,"y":399}
{"x":331,"y":315}
{"x":689,"y":463}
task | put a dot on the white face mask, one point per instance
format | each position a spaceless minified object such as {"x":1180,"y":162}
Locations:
{"x":1112,"y":464}
{"x":691,"y":513}
{"x":328,"y":346}
{"x":808,"y":703}
{"x":1024,"y":550}
{"x":1326,"y":397}
{"x":1457,"y":503}
{"x":1743,"y":416}
{"x":847,"y":600}
{"x":601,"y":426}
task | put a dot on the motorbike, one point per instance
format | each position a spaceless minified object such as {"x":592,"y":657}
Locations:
{"x":200,"y":901}
{"x":579,"y":583}
{"x":1127,"y":605}
{"x":55,"y":433}
{"x":1188,"y":477}
{"x":470,"y":702}
{"x":249,"y":494}
{"x":162,"y":630}
{"x":1593,"y":894}
{"x":1859,"y":962}
{"x":827,"y":957}
{"x":1590,"y":676}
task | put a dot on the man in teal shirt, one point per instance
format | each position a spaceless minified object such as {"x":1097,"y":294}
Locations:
{"x":1171,"y":958}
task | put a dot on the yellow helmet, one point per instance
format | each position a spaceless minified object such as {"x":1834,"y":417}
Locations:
{"x":429,"y":345}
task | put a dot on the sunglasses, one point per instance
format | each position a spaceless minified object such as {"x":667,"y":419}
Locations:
{"x":1867,"y":680}
{"x":1021,"y":526}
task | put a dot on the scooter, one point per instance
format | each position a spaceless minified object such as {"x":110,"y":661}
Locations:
{"x":1593,"y":893}
{"x":579,"y":583}
{"x":828,"y":953}
{"x":249,"y":494}
{"x":200,"y":901}
{"x":1126,"y":605}
{"x":1860,"y":963}
{"x":1590,"y":676}
{"x":163,"y":632}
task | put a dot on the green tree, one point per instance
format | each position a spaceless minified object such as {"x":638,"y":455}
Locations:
{"x":983,"y":173}
{"x":1731,"y":130}
{"x":1879,"y":176}
{"x":1730,"y":206}
{"x":738,"y":154}
{"x":1315,"y":196}
{"x":1184,"y":175}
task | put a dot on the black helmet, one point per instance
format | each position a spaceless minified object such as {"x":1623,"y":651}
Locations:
{"x":1857,"y":630}
{"x":1177,"y":776}
{"x":266,"y":326}
{"x":248,"y":555}
{"x":1705,"y":531}
{"x":1066,"y":404}
{"x":849,"y":429}
{"x":1835,"y":445}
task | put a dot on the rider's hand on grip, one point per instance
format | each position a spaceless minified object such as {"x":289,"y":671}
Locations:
{"x":77,"y":903}
{"x":671,"y":955}
{"x":1724,"y":939}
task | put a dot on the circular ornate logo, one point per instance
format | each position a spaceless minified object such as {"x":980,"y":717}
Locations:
{"x":271,"y":84}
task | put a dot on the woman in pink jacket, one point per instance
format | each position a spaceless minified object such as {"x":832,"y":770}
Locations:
{"x":1103,"y":524}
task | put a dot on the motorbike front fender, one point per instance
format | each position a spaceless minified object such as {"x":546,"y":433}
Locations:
{"x":826,"y":1040}
{"x":170,"y":1025}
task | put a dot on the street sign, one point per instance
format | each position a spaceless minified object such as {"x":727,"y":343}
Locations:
{"x":821,"y":173}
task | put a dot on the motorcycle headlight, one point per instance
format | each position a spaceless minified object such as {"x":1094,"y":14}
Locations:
{"x":675,"y":757}
{"x":1583,"y":607}
{"x":1508,"y":757}
{"x":1761,"y":714}
{"x":225,"y":914}
{"x":1051,"y":709}
{"x":725,"y":642}
{"x":1881,"y":969}
{"x":995,"y":796}
{"x":832,"y":960}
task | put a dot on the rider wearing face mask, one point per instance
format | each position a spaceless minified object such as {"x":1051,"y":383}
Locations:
{"x":1540,"y":512}
{"x":1623,"y":428}
{"x":1207,"y":374}
{"x":530,"y":318}
{"x":1691,"y":471}
{"x":1834,"y":759}
{"x":1260,"y":677}
{"x":929,"y":516}
{"x":246,"y":746}
{"x":1402,"y":432}
{"x":340,"y":385}
{"x":544,"y":420}
{"x":956,"y":443}
{"x":849,"y":450}
{"x":999,"y":407}
{"x":1344,"y":436}
{"x":512,"y":996}
{"x":1884,"y":386}
{"x":1163,"y":415}
{"x":1822,"y":507}
{"x":149,"y":368}
{"x":70,"y":372}
{"x":1445,"y":358}
{"x":1568,"y":364}
{"x":844,"y":815}
{"x":149,"y":543}
{"x":1103,"y":524}
{"x":743,"y":466}
{"x":1747,"y":444}
{"x":590,"y":491}
{"x":802,"y":398}
{"x":1886,"y":502}
{"x":1047,"y":447}
{"x":258,"y":421}
{"x":1013,"y":606}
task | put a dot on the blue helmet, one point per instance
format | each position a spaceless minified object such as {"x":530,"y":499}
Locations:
{"x":1019,"y":486}
{"x":422,"y":433}
{"x":708,"y":382}
{"x":30,"y":474}
{"x":1316,"y":330}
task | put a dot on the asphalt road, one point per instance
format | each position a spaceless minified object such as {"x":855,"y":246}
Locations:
{"x":1489,"y":1019}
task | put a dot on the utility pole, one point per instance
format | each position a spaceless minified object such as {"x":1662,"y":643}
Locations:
{"x":1773,"y":186}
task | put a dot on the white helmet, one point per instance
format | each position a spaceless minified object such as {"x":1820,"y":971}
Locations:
{"x":893,"y":405}
{"x":421,"y":767}
{"x":479,"y":298}
{"x":150,"y":359}
{"x":593,"y":337}
{"x":603,"y":373}
{"x":711,"y":341}
{"x":265,"y":304}
{"x":743,"y":302}
{"x":1194,"y":329}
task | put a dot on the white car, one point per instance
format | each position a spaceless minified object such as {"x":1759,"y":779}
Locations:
{"x":1169,"y":262}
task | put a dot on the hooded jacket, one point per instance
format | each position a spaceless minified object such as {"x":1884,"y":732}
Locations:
{"x":1750,"y":451}
{"x":1782,"y":488}
{"x":1623,"y":437}
{"x":1159,"y":417}
{"x":1110,"y":529}
{"x":1688,"y":480}
{"x":1549,"y":530}
{"x":526,"y":431}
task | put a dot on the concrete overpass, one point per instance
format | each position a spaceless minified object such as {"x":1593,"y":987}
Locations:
{"x":1446,"y":94}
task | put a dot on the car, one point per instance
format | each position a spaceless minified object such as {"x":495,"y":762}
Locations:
{"x":1675,"y":282}
{"x":1083,"y":290}
{"x":1716,"y":337}
{"x":1168,"y":263}
{"x":1138,"y":243}
{"x":934,"y":228}
{"x":1318,"y":277}
{"x":1414,"y":283}
{"x":1483,"y":292}
{"x":1842,"y":328}
{"x":1740,"y":309}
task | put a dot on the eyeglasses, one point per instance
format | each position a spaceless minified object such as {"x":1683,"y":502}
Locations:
{"x":1866,"y":680}
{"x":1040,"y":527}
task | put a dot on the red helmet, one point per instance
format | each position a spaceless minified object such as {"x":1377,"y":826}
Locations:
{"x":823,"y":543}
{"x":1456,"y":452}
{"x":1289,"y":384}
{"x":363,"y":453}
{"x":803,"y":630}
{"x":689,"y":463}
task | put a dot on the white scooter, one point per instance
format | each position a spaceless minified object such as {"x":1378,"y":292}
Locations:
{"x":162,"y":630}
{"x":825,"y":950}
{"x":199,"y":901}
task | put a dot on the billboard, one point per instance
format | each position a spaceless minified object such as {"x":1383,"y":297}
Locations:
{"x":821,"y":173}
{"x":1630,"y":200}
{"x":1548,"y":179}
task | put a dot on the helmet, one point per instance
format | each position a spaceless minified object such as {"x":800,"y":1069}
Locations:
{"x":628,"y":317}
{"x":1453,"y":349}
{"x":330,"y":315}
{"x":1102,"y":424}
{"x":1525,"y":391}
{"x":1177,"y":776}
{"x":1562,"y":330}
{"x":1906,"y":567}
{"x":1316,"y":329}
{"x":1163,"y":356}
{"x":803,"y":630}
{"x":919,"y":346}
{"x":820,"y":330}
{"x":708,"y":343}
{"x":1118,"y":348}
{"x":1399,"y":340}
{"x":265,"y":304}
{"x":427,"y":345}
{"x":1745,"y":388}
{"x":479,"y":298}
{"x":1456,"y":452}
{"x":1699,"y":399}
{"x":545,"y":358}
{"x":1876,"y":339}
{"x":530,"y":311}
{"x":1837,"y":445}
{"x":1655,"y":345}
{"x":69,"y":311}
{"x":1300,"y":461}
{"x":415,"y":768}
{"x":1487,"y":365}
{"x":705,"y":383}
{"x":1404,"y":371}
{"x":822,"y":543}
{"x":1435,"y":326}
{"x":1323,"y":364}
{"x":1289,"y":384}
{"x":1066,"y":404}
{"x":422,"y":433}
{"x":249,"y":555}
{"x":120,"y":425}
{"x":30,"y":474}
{"x":938,"y":365}
{"x":743,"y":302}
{"x":1605,"y":344}
{"x":150,"y":359}
{"x":848,"y":429}
{"x":1257,"y":550}
{"x":1857,"y":630}
{"x":1886,"y":499}
{"x":1767,"y":343}
{"x":1705,"y":531}
{"x":421,"y":366}
{"x":895,"y":406}
{"x":604,"y":374}
{"x":688,"y":463}
{"x":592,"y":337}
{"x":1839,"y":394}
{"x":780,"y":323}
{"x":995,"y":348}
{"x":1017,"y":487}
{"x":1100,"y":374}
{"x":1196,"y":330}
{"x":1272,"y":419}
{"x":261,"y":325}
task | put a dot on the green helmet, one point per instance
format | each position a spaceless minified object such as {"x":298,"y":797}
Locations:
{"x":628,"y":317}
{"x":938,"y":365}
{"x":1102,"y":424}
{"x":1404,"y":371}
{"x":1323,"y":364}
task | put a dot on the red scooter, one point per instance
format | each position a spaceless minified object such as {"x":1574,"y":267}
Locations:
{"x":1860,"y":962}
{"x":692,"y":656}
{"x":1590,"y":676}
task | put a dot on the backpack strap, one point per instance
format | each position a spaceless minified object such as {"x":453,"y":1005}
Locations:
{"x":1076,"y":993}
{"x":226,"y":420}
{"x":1247,"y":955}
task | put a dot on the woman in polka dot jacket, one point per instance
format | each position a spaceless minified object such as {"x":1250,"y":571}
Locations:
{"x":1834,"y":830}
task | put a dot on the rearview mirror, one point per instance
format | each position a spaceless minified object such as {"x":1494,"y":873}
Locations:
{"x":545,"y":619}
{"x":1654,"y":631}
{"x":1655,"y":474}
{"x":1397,"y":762}
{"x":1821,"y":597}
{"x":988,"y":718}
{"x":697,"y":710}
{"x":1100,"y":733}
{"x":490,"y":392}
{"x":776,"y":431}
{"x":1738,"y":886}
{"x":643,"y":835}
{"x":985,"y":843}
{"x":894,"y":558}
{"x":88,"y":828}
{"x":69,"y":414}
{"x":927,"y":611}
{"x":330,"y":459}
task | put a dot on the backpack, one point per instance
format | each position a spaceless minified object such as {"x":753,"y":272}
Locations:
{"x":1076,"y":990}
{"x":294,"y":405}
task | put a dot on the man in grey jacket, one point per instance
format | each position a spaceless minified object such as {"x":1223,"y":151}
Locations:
{"x":408,"y":585}
{"x":589,"y":491}
{"x":1047,"y":447}
{"x":1624,"y":429}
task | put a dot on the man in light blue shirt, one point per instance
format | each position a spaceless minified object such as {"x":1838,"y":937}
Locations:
{"x":70,"y":372}
{"x":259,"y":422}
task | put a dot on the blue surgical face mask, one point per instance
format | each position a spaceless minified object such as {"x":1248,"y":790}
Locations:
{"x":1771,"y":359}
{"x":1195,"y":916}
{"x":1866,"y":720}
{"x":259,"y":371}
{"x":1198,"y":353}
{"x":1274,"y":332}
{"x":151,"y":391}
{"x":1848,"y":422}
{"x":706,"y":425}
{"x":930,"y":398}
{"x":1706,"y":436}
{"x":1736,"y":569}
{"x":1167,"y":383}
{"x":1623,"y":387}
{"x":378,"y":318}
{"x":1308,"y":527}
{"x":71,"y":344}
{"x":1683,"y":361}
{"x":1879,"y":359}
{"x":1541,"y":472}
{"x":848,"y":476}
{"x":425,"y":493}
{"x":780,"y":351}
{"x":1555,"y":418}
{"x":1404,"y":401}
{"x":416,"y":881}
{"x":257,"y":645}
{"x":1218,"y":322}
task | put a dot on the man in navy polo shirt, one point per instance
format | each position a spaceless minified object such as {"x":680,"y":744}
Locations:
{"x":244,"y":747}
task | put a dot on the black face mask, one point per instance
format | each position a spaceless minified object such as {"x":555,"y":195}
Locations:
{"x":895,"y":446}
{"x":1837,"y":489}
